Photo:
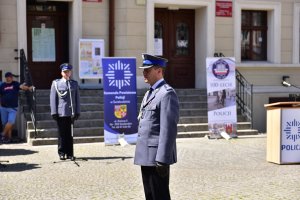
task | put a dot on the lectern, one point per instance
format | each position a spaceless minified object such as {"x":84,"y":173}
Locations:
{"x":283,"y":132}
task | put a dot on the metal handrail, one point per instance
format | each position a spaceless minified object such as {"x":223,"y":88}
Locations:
{"x":244,"y":96}
{"x":25,"y":77}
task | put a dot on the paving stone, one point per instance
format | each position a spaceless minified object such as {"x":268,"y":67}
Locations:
{"x":206,"y":169}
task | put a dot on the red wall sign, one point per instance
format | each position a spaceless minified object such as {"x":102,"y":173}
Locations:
{"x":223,"y":8}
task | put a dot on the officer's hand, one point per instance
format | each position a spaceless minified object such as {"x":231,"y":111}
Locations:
{"x":162,"y":169}
{"x":76,"y":116}
{"x":55,"y":117}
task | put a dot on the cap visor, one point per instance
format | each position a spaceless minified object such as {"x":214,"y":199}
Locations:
{"x":11,"y":75}
{"x":145,"y":67}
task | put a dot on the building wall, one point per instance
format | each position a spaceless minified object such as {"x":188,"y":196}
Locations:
{"x":265,"y":76}
{"x":130,"y":31}
{"x":224,"y":36}
{"x":8,"y":36}
{"x":287,"y":32}
{"x":95,"y":22}
{"x":130,"y":27}
{"x":134,"y":35}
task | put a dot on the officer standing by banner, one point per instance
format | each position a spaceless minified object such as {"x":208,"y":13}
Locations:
{"x":65,"y":109}
{"x":157,"y":131}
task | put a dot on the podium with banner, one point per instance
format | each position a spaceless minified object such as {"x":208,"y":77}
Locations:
{"x":283,"y":132}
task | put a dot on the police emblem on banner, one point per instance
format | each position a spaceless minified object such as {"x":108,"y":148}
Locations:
{"x":120,"y":111}
{"x":220,"y":69}
{"x":292,"y":130}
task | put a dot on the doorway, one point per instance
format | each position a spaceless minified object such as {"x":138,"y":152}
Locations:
{"x":176,"y":29}
{"x":47,"y":40}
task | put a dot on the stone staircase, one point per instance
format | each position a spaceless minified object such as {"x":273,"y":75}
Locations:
{"x":89,"y":127}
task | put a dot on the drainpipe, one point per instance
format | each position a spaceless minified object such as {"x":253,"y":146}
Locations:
{"x":111,"y":29}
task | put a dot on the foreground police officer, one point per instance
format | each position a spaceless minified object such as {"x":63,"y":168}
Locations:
{"x":65,"y":110}
{"x":158,"y":118}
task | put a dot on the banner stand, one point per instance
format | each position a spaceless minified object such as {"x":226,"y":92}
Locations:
{"x":221,"y":94}
{"x":120,"y":100}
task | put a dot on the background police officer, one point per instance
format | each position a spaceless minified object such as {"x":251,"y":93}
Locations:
{"x":158,"y":118}
{"x":65,"y":108}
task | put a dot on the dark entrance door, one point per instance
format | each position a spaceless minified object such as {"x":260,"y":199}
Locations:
{"x":176,"y":28}
{"x":47,"y":41}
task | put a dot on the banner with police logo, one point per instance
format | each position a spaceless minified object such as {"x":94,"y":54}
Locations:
{"x":290,"y":136}
{"x":221,"y":91}
{"x":120,"y":100}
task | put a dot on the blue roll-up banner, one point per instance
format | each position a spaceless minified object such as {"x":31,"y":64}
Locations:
{"x":221,"y":102}
{"x":120,"y":100}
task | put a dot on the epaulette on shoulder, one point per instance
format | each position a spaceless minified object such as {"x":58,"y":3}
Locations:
{"x":168,"y":87}
{"x":73,"y":81}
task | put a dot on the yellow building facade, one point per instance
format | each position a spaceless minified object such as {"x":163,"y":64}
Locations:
{"x":263,"y":36}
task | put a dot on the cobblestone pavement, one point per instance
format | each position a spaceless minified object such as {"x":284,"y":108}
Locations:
{"x":206,"y":169}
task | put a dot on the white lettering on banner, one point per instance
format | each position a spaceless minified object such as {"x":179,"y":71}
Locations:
{"x":120,"y":97}
{"x":222,"y":113}
{"x":119,"y":92}
{"x":295,"y":147}
{"x":115,"y":102}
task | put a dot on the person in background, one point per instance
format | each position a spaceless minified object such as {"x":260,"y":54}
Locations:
{"x":158,"y":118}
{"x":9,"y":92}
{"x":64,"y":110}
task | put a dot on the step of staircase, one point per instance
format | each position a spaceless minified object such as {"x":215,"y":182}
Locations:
{"x":89,"y":127}
{"x":76,"y":140}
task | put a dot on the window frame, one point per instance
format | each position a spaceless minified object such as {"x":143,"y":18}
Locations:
{"x":252,"y":28}
{"x":274,"y":29}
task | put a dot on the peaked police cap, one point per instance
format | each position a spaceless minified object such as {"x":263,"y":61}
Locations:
{"x":150,"y":61}
{"x":65,"y":67}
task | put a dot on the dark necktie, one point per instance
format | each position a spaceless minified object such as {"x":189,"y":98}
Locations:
{"x":149,"y":93}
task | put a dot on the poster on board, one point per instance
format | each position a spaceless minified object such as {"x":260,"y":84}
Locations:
{"x":43,"y":44}
{"x":91,"y":51}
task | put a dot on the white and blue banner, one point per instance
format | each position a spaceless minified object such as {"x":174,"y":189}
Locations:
{"x":290,"y":136}
{"x":120,"y":100}
{"x":221,"y":93}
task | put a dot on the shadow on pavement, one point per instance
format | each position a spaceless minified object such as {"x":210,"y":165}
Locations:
{"x":109,"y":160}
{"x":15,"y":152}
{"x":17,"y":167}
{"x":106,"y":158}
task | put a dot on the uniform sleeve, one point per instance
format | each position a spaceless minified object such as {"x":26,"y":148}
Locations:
{"x":53,"y":99}
{"x":169,"y":116}
{"x":77,"y":97}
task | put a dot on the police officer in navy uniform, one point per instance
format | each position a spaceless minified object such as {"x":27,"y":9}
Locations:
{"x":64,"y":110}
{"x":158,"y":118}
